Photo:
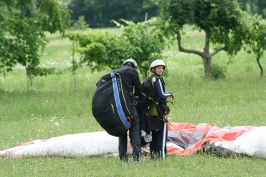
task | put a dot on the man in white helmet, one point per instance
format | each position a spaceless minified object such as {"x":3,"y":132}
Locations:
{"x":131,"y":83}
{"x":153,"y":87}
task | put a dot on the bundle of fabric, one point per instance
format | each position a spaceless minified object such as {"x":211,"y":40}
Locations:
{"x":186,"y":139}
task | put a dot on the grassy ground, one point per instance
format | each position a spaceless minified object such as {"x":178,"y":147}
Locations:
{"x":54,"y":107}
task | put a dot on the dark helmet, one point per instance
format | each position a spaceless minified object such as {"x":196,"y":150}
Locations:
{"x":132,"y":61}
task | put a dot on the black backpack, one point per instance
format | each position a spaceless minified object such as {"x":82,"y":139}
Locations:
{"x":109,"y":104}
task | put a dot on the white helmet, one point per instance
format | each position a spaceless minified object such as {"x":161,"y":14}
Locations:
{"x":157,"y":62}
{"x":132,"y":61}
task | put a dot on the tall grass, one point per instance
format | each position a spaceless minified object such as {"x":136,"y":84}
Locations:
{"x":54,"y":107}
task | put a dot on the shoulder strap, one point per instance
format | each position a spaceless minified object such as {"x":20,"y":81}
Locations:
{"x":117,"y":99}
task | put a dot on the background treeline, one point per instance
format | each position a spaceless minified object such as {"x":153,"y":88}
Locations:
{"x":25,"y":24}
{"x":100,"y":13}
{"x":254,"y":7}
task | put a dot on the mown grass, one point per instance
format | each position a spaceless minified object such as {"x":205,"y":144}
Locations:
{"x":189,"y":166}
{"x":54,"y":107}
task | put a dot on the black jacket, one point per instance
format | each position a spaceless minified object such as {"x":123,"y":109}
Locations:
{"x":130,"y":79}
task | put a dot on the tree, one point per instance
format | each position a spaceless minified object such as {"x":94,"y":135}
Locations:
{"x":219,"y":20}
{"x":146,"y":42}
{"x":22,"y":33}
{"x":101,"y":50}
{"x":80,"y":24}
{"x":255,"y":39}
{"x":104,"y":50}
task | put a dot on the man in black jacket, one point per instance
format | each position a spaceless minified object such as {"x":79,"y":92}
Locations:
{"x":131,"y":84}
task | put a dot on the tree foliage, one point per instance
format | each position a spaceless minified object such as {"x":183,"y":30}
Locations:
{"x":101,"y":50}
{"x":219,"y":20}
{"x":100,"y":13}
{"x":141,"y":41}
{"x":255,"y":39}
{"x":146,"y":41}
{"x":22,"y":32}
{"x":254,"y":7}
{"x":80,"y":24}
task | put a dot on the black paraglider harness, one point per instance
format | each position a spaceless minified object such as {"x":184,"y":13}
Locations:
{"x":162,"y":114}
{"x":150,"y":123}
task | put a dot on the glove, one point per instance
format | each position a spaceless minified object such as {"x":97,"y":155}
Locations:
{"x":172,"y":96}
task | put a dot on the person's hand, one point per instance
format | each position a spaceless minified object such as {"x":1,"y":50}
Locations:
{"x":172,"y":96}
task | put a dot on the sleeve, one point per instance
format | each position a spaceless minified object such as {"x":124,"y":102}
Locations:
{"x":160,"y":89}
{"x":137,"y":83}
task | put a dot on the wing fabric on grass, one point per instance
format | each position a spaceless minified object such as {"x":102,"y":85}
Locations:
{"x":71,"y":145}
{"x":186,"y":139}
{"x":183,"y":139}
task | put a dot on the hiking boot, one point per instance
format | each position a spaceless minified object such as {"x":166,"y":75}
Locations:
{"x":124,"y":158}
{"x":152,"y":157}
{"x":156,"y":156}
{"x":136,"y":159}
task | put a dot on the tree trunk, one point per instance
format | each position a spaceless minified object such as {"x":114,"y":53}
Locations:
{"x":207,"y":57}
{"x":207,"y":66}
{"x":260,"y":66}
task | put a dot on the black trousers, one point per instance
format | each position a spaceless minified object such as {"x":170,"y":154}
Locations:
{"x":134,"y":135}
{"x":159,"y":139}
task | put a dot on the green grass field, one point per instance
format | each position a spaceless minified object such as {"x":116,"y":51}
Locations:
{"x":54,"y":107}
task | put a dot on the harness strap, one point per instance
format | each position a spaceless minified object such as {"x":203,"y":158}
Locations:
{"x":157,"y":108}
{"x":118,"y":103}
